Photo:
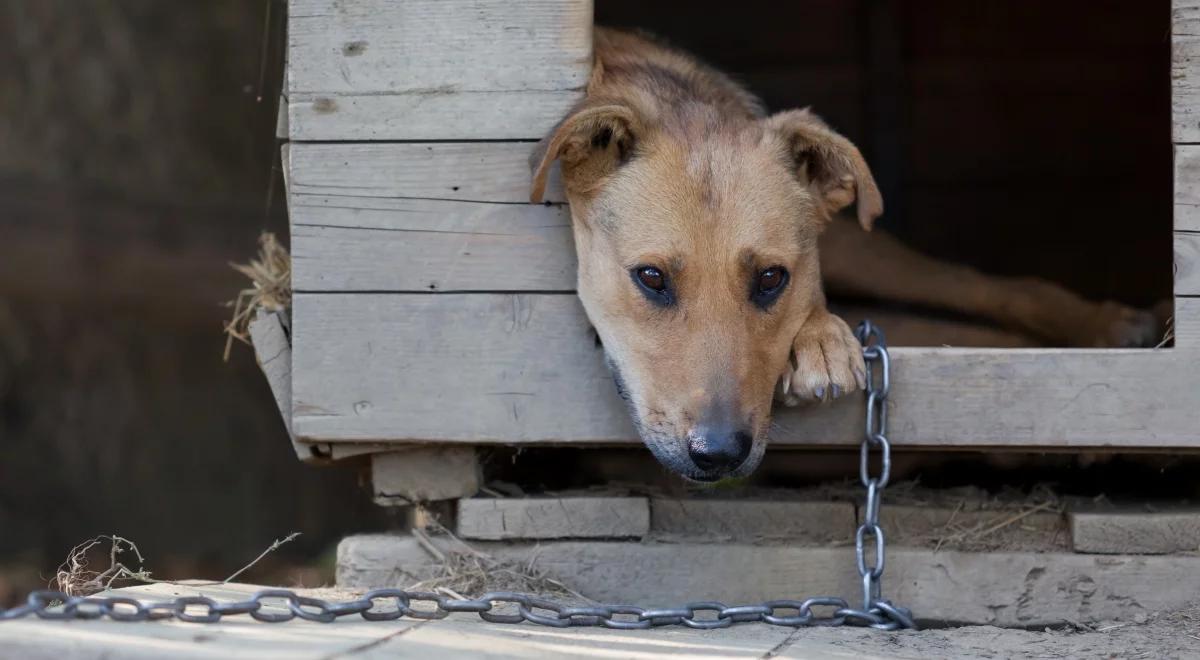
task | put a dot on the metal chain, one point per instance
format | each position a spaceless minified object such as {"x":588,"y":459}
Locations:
{"x":495,"y":607}
{"x":390,"y":604}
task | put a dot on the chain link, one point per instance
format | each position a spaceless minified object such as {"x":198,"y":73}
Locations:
{"x":495,"y":607}
{"x":510,"y":607}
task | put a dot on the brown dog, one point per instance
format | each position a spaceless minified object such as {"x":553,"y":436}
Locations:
{"x":696,"y":220}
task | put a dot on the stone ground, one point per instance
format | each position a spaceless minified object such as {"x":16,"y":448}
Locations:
{"x":1167,"y":635}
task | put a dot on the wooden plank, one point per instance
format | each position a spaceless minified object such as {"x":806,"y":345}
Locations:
{"x":465,"y":636}
{"x":468,"y":638}
{"x":1185,"y":70}
{"x":281,"y":119}
{"x":424,"y":474}
{"x":524,"y":368}
{"x":996,"y":588}
{"x":746,"y":520}
{"x":452,"y":366}
{"x":269,"y":334}
{"x":377,"y":244}
{"x":1187,"y":263}
{"x":1187,"y":187}
{"x":1186,"y":323}
{"x":1135,"y":530}
{"x":579,"y":517}
{"x":233,"y":638}
{"x":428,"y":116}
{"x":424,"y":216}
{"x":432,"y":69}
{"x":459,"y":171}
{"x":285,"y":171}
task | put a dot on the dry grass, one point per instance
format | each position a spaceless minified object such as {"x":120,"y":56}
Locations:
{"x":270,"y":275}
{"x":980,"y":535}
{"x":468,"y":572}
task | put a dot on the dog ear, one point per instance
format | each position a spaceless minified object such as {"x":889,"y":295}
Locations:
{"x":591,"y":142}
{"x":831,"y":165}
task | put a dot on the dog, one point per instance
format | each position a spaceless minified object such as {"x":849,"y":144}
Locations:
{"x":704,"y":230}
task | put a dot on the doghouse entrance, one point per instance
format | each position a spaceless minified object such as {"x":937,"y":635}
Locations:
{"x":1024,"y":139}
{"x":434,"y":305}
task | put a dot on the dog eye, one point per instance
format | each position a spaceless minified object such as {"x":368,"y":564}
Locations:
{"x":770,"y":279}
{"x":654,"y":285}
{"x":652,"y":278}
{"x":768,"y":285}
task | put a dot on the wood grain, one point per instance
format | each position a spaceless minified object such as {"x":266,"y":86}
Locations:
{"x":752,"y":520}
{"x":1185,"y":70}
{"x":269,"y":335}
{"x":424,"y":474}
{"x":553,"y":518}
{"x":378,"y":244}
{"x":524,"y":368}
{"x":1187,"y":322}
{"x":1187,"y":187}
{"x":1187,"y":263}
{"x":459,"y":171}
{"x":425,"y":217}
{"x":429,"y":69}
{"x":1134,"y":530}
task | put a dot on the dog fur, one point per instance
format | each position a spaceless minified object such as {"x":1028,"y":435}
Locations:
{"x":670,"y":165}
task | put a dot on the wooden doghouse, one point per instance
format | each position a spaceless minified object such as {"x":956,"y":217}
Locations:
{"x":434,"y":304}
{"x":434,"y":311}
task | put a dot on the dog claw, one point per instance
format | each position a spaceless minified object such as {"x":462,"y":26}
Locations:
{"x":826,"y":361}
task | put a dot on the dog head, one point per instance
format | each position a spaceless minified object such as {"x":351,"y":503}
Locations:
{"x":697,"y":245}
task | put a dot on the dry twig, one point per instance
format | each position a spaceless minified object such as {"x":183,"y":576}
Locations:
{"x":74,"y":579}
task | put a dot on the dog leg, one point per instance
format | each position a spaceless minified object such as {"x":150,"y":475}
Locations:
{"x":874,"y":264}
{"x":826,"y":362}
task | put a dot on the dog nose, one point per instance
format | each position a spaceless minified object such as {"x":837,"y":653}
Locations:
{"x":719,"y":450}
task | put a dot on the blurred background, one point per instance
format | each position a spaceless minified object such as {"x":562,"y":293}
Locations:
{"x":136,"y":161}
{"x":138,"y":158}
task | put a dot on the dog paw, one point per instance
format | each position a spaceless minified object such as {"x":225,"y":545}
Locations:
{"x":826,"y":362}
{"x":1118,"y":326}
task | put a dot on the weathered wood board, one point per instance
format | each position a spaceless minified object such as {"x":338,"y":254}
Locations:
{"x":425,"y":217}
{"x":1185,"y":70}
{"x":997,"y":588}
{"x":1187,"y":263}
{"x":1186,"y":322}
{"x":553,"y":518}
{"x":465,"y":636}
{"x":383,"y":244}
{"x":428,"y":69}
{"x":423,"y":474}
{"x":1134,"y":530}
{"x":524,"y":368}
{"x":1187,"y":187}
{"x":451,"y":171}
{"x":745,"y":520}
{"x":272,"y":347}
